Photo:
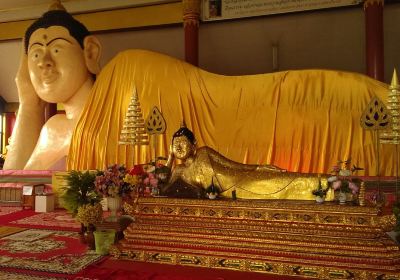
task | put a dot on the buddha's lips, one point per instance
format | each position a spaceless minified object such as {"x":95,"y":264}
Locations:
{"x":49,"y":76}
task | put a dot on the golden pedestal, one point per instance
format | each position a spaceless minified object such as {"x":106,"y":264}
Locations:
{"x":285,"y":237}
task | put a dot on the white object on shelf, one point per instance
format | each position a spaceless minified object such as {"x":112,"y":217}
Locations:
{"x":44,"y":203}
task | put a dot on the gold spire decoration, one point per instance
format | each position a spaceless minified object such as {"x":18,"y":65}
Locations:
{"x":133,"y":131}
{"x":392,"y":136}
{"x":56,"y":6}
{"x":395,"y":81}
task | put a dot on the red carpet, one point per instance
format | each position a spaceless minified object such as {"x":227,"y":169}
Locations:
{"x":7,"y":275}
{"x":57,"y":220}
{"x":128,"y":270}
{"x":5,"y":210}
{"x":60,"y":255}
{"x":45,"y":250}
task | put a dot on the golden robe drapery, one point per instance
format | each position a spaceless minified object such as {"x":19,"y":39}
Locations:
{"x":303,"y":121}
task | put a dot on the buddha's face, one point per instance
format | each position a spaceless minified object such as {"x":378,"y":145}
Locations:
{"x":182,"y":148}
{"x":56,"y":64}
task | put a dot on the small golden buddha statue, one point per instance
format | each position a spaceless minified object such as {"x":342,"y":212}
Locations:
{"x":203,"y":166}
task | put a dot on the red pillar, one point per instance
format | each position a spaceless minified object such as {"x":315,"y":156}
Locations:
{"x":191,"y":17}
{"x":373,"y":10}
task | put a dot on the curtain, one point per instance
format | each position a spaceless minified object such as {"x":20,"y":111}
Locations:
{"x":303,"y":121}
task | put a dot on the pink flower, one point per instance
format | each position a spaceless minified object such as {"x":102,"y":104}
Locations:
{"x":151,"y":180}
{"x":336,"y":185}
{"x":353,"y":187}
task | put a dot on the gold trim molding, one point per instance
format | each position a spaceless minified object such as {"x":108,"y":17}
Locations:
{"x":282,"y":237}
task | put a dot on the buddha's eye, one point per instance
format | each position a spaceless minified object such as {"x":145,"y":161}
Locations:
{"x":35,"y":54}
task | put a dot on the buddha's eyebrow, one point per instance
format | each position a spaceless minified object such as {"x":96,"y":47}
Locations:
{"x":36,"y":43}
{"x":51,"y":41}
{"x":58,"y":38}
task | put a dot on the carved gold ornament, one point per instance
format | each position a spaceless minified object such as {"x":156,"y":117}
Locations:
{"x":375,"y":116}
{"x":155,"y":122}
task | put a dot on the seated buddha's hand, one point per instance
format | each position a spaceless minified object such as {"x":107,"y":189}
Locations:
{"x":26,"y":91}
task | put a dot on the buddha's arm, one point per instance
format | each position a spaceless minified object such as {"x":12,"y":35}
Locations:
{"x":30,"y":120}
{"x":220,"y":159}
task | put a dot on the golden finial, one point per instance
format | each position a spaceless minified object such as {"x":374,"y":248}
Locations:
{"x":56,"y":6}
{"x":183,"y":123}
{"x":395,"y":81}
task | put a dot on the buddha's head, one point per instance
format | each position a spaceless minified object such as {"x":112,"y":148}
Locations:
{"x":61,"y":55}
{"x":183,"y":143}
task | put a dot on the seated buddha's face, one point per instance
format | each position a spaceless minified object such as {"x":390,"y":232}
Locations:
{"x":182,"y":148}
{"x":56,"y":64}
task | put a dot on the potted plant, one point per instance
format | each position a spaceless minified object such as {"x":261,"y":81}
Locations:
{"x":79,"y":191}
{"x":89,"y":215}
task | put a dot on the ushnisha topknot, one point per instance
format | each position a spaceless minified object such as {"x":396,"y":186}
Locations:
{"x":184,"y":131}
{"x":56,"y":5}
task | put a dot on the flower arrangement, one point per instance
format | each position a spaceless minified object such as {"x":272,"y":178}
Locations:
{"x":342,"y":180}
{"x":147,"y":178}
{"x":111,"y":183}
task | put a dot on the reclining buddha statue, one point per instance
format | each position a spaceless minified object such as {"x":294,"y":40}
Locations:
{"x":301,"y":120}
{"x":203,"y":166}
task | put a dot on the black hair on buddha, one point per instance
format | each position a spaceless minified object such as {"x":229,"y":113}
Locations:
{"x":184,"y":131}
{"x":58,"y":18}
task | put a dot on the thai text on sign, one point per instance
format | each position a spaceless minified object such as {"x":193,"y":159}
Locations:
{"x":226,"y":9}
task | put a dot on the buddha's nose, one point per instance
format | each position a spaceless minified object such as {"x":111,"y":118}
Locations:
{"x":46,"y":61}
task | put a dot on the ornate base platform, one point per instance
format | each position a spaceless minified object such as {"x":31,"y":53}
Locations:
{"x":296,"y":238}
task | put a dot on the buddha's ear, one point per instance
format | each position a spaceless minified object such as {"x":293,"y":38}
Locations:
{"x":92,"y":53}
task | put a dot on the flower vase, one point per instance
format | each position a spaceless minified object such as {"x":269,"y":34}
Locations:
{"x":114,"y":204}
{"x":342,"y":198}
{"x":319,"y":199}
